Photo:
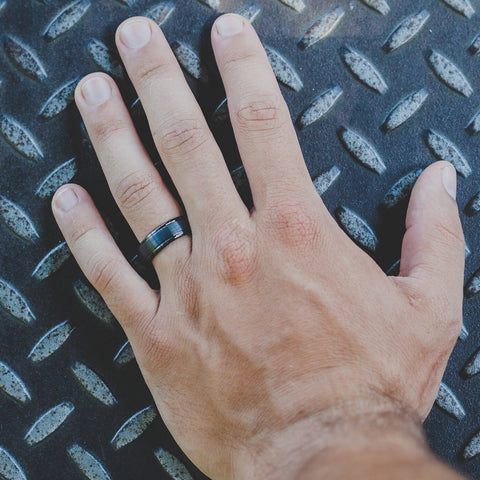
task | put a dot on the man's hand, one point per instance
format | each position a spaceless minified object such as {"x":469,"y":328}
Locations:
{"x":275,"y":340}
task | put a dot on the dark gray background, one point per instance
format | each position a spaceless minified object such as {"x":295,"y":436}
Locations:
{"x":94,"y":342}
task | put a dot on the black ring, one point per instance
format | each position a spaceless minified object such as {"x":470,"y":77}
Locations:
{"x":159,"y":238}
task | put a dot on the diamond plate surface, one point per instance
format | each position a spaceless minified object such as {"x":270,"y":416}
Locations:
{"x":378,"y":90}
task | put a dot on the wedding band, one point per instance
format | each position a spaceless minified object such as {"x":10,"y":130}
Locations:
{"x":159,"y":238}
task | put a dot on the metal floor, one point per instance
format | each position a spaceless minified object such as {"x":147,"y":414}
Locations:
{"x":378,"y":90}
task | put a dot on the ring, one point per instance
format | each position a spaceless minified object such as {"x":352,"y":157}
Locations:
{"x":159,"y":238}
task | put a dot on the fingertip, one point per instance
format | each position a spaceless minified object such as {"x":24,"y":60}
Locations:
{"x":94,"y":90}
{"x":434,"y":189}
{"x":66,"y":198}
{"x":449,"y":179}
{"x":227,"y":26}
{"x":134,"y":33}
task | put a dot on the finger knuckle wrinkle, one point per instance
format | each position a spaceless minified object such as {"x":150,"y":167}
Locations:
{"x":237,"y":59}
{"x":182,"y":138}
{"x":110,"y":129}
{"x":148,"y":73}
{"x":449,"y":236}
{"x":102,"y":272}
{"x":237,"y":256}
{"x":294,"y":225}
{"x":80,"y":233}
{"x":264,"y":114}
{"x":134,"y":190}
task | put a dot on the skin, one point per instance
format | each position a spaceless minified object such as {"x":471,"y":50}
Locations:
{"x":267,"y":353}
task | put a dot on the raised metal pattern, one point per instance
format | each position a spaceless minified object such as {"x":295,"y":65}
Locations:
{"x":48,"y":423}
{"x":378,"y":89}
{"x":404,"y":33}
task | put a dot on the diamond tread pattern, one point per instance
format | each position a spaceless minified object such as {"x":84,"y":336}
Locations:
{"x":378,"y":90}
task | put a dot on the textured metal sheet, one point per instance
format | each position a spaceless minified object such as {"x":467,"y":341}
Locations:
{"x":378,"y":89}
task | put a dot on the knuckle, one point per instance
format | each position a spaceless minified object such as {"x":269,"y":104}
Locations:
{"x":102,"y":272}
{"x":149,"y":71}
{"x":265,"y":114}
{"x":134,"y":190}
{"x":236,"y":254}
{"x":448,"y":236}
{"x":234,"y":60}
{"x":293,"y":224}
{"x":108,"y":130}
{"x":79,"y":233}
{"x":157,"y":344}
{"x":178,"y":138}
{"x":441,"y":313}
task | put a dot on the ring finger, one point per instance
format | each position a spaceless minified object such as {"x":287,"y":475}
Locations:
{"x":135,"y":183}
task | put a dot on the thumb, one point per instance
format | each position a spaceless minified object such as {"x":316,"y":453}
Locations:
{"x":433,"y":249}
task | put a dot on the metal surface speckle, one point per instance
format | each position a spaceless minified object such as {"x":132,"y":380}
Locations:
{"x":376,"y":88}
{"x":362,"y":68}
{"x":297,"y":5}
{"x":134,"y":427}
{"x":319,"y":107}
{"x":60,"y":175}
{"x":357,"y":229}
{"x":51,"y":341}
{"x":124,"y":355}
{"x":284,"y":72}
{"x":444,"y":149}
{"x":188,"y":59}
{"x":14,"y":218}
{"x":321,"y":28}
{"x":401,"y":189}
{"x":20,"y":139}
{"x":88,"y":464}
{"x":104,"y":58}
{"x":93,"y":301}
{"x":447,"y":400}
{"x":380,"y":6}
{"x":9,"y":468}
{"x":404,"y":110}
{"x":449,"y":74}
{"x":12,"y":385}
{"x":66,"y":19}
{"x":463,"y":7}
{"x":59,"y":101}
{"x":406,"y":31}
{"x":52,"y":261}
{"x":14,"y":303}
{"x":93,"y":384}
{"x":161,"y":13}
{"x":172,"y":465}
{"x":24,"y":59}
{"x":325,"y":180}
{"x":361,"y":150}
{"x":48,"y":423}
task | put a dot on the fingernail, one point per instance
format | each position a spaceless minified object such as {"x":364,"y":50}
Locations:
{"x":66,"y":199}
{"x":96,"y":91}
{"x":135,"y":33}
{"x":449,"y":177}
{"x":229,"y":25}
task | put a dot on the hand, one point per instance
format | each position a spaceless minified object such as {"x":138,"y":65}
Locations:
{"x":272,"y":326}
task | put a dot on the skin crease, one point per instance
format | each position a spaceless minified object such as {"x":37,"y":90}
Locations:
{"x":278,"y":348}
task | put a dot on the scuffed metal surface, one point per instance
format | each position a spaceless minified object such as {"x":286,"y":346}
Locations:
{"x":378,"y":90}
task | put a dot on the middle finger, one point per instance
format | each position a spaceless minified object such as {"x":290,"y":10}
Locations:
{"x":178,"y":127}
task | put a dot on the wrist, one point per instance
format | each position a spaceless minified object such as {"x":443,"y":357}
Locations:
{"x":347,"y":429}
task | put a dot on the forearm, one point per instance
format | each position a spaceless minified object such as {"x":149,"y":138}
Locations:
{"x":375,"y":445}
{"x":387,"y":446}
{"x":374,"y":465}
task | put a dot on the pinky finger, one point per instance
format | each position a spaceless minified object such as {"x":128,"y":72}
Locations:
{"x":127,"y":295}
